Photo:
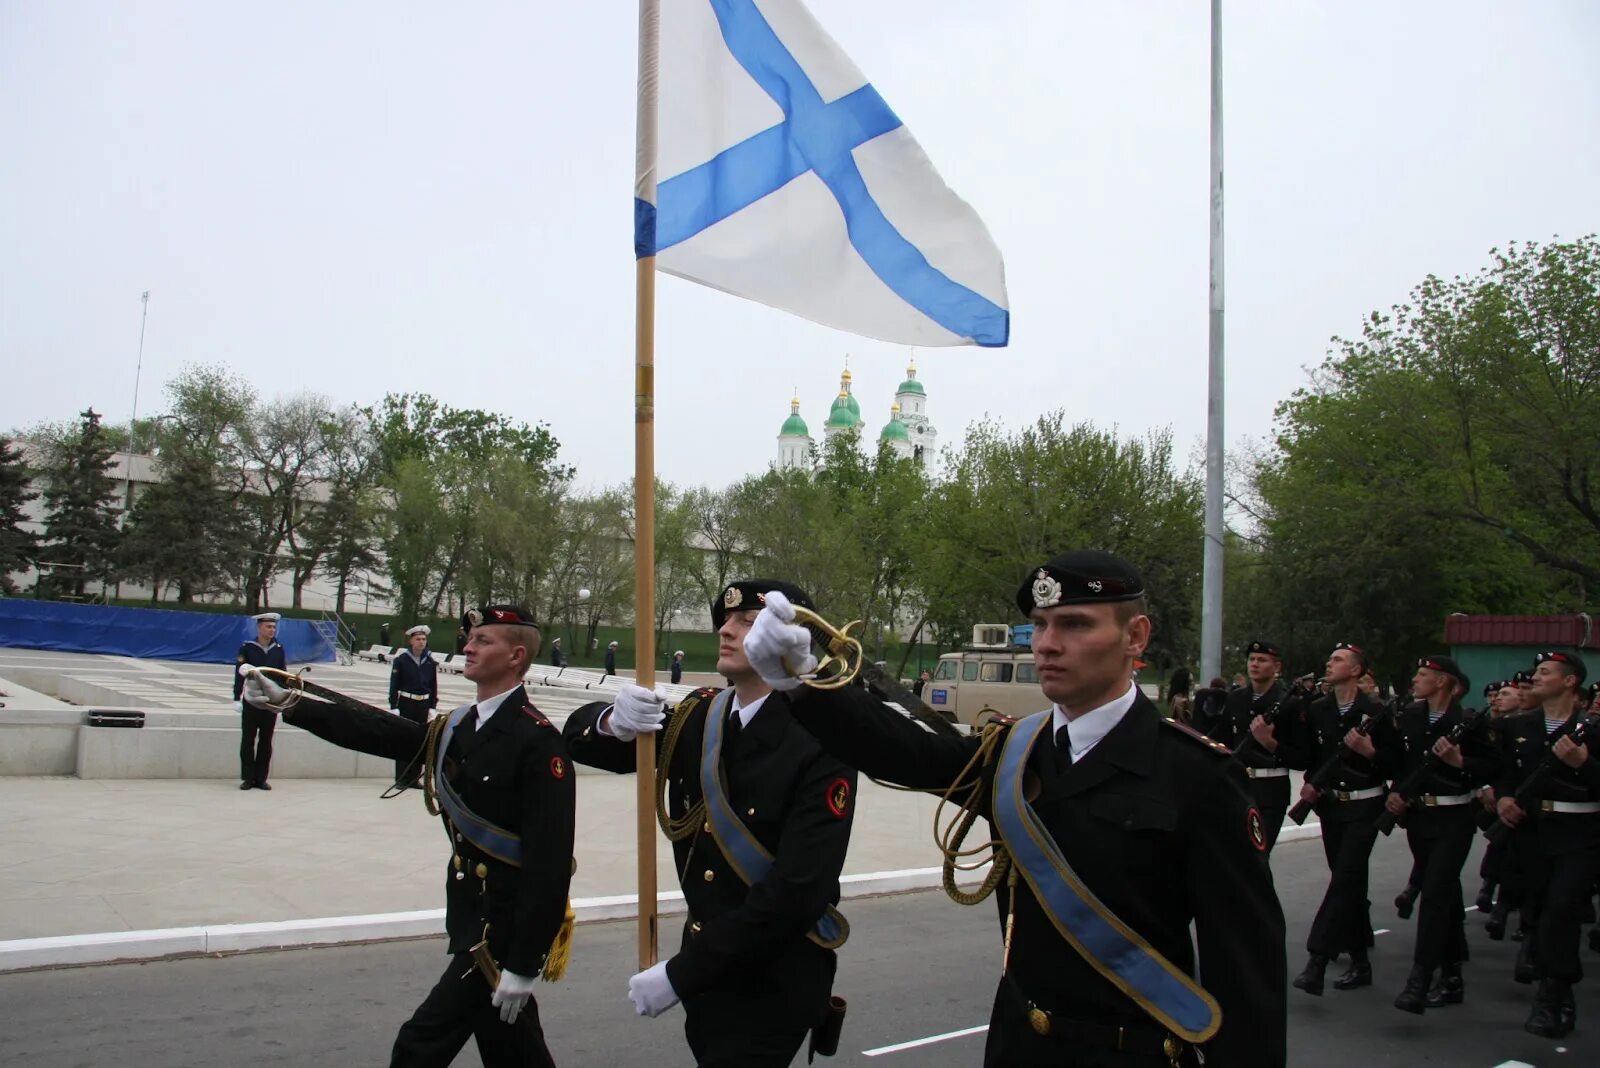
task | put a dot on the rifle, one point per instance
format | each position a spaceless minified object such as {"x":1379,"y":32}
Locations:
{"x":1500,"y":830}
{"x":1300,"y":688}
{"x":1410,"y":787}
{"x":1320,"y":778}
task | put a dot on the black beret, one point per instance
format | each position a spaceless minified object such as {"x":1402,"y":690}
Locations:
{"x":1495,"y":687}
{"x":1264,"y":647}
{"x":752,"y":593}
{"x":1572,"y":660}
{"x":1522,"y":678}
{"x":1361,"y":654}
{"x":1447,"y":666}
{"x":513,"y":614}
{"x":1083,"y":576}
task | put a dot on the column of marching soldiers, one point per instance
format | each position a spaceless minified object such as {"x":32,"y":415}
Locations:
{"x":1121,"y":847}
{"x":1517,"y":768}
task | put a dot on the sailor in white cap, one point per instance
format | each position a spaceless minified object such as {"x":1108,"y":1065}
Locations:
{"x":413,"y":692}
{"x":256,"y":724}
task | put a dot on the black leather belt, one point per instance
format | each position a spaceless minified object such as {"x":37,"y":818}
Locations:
{"x":1146,"y":1041}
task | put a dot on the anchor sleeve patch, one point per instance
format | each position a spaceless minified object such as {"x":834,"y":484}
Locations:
{"x":558,"y":767}
{"x":839,"y":798}
{"x":1258,"y":834}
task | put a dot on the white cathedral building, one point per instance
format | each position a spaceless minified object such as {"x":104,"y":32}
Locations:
{"x":908,"y":431}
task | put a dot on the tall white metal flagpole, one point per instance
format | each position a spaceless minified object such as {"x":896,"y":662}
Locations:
{"x":133,"y":417}
{"x":1211,"y":595}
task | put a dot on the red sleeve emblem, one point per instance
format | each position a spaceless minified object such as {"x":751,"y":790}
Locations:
{"x":558,"y":767}
{"x":1258,"y":834}
{"x":839,"y":798}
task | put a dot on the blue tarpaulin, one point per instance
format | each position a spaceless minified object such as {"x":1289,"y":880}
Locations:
{"x":150,"y":633}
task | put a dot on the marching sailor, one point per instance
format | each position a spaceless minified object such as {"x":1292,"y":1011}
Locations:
{"x":759,"y":818}
{"x":1261,"y":724}
{"x":1119,"y":829}
{"x":497,"y":773}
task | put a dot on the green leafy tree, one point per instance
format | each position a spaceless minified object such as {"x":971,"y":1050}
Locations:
{"x":1015,"y":499}
{"x":18,"y":544}
{"x":81,"y":508}
{"x":183,"y":531}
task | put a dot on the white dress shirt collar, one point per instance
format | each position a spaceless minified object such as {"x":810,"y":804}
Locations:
{"x":490,"y":705}
{"x":748,"y":712}
{"x":1087,"y":730}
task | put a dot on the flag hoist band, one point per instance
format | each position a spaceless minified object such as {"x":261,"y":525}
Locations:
{"x":789,"y":181}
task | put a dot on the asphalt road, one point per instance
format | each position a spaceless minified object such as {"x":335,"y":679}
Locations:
{"x":917,"y":967}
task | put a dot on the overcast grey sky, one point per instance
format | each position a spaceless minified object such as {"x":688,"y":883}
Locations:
{"x":354,"y":198}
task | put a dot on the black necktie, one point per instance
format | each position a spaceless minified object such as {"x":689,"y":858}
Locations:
{"x":1064,"y":747}
{"x":466,"y":731}
{"x":735,"y":726}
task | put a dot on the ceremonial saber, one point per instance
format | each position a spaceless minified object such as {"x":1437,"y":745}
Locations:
{"x":644,"y":473}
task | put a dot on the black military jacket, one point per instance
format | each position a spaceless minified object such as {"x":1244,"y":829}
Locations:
{"x":1325,"y":731}
{"x":799,"y":802}
{"x":1525,"y":741}
{"x":252,"y":653}
{"x":1480,"y":757}
{"x":409,"y":675}
{"x":515,"y":774}
{"x":1239,"y":710}
{"x":1155,"y":821}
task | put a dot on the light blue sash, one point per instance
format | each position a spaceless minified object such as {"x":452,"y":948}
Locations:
{"x":498,"y":843}
{"x":1115,"y":950}
{"x":747,"y":856}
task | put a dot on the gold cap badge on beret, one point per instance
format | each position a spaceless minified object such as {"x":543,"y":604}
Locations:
{"x":732,"y":597}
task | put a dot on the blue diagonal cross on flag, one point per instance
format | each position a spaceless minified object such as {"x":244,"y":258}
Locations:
{"x":791,"y":182}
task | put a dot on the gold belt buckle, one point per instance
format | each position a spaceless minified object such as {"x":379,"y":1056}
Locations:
{"x":1173,"y":1049}
{"x":1547,"y":806}
{"x":1039,"y":1020}
{"x":1341,"y":795}
{"x":1429,"y":801}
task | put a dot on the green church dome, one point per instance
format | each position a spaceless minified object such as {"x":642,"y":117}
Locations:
{"x":894,"y":430}
{"x":911,"y":385}
{"x":794,"y":426}
{"x":842,"y":417}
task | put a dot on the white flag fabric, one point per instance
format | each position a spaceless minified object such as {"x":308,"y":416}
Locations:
{"x":786,"y":179}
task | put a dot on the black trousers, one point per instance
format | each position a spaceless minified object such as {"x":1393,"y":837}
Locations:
{"x":1343,"y":923}
{"x":1554,"y":908}
{"x":458,"y":1008}
{"x":1494,"y":862}
{"x":1440,"y":840}
{"x":730,"y":1028}
{"x":1271,"y":796}
{"x":255,"y":744}
{"x":409,"y":771}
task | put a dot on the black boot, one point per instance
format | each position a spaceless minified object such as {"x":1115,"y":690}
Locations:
{"x":1359,"y":974}
{"x":1414,"y":998}
{"x":1554,"y":1013}
{"x":1527,"y":969}
{"x":1485,"y":900}
{"x":1448,"y":989}
{"x":1495,"y":926}
{"x":1310,"y":980}
{"x":1404,"y":900}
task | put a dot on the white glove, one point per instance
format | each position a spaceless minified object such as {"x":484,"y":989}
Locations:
{"x":263,"y":692}
{"x":238,"y":706}
{"x":775,"y":640}
{"x":651,"y":991}
{"x":511,"y":995}
{"x":636,"y":711}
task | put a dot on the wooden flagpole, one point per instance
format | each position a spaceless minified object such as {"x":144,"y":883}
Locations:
{"x":644,"y":478}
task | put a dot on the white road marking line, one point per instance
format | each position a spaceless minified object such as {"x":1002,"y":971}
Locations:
{"x":1470,"y":908}
{"x":1520,"y":1064}
{"x":1381,"y":930}
{"x":914,"y":1043}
